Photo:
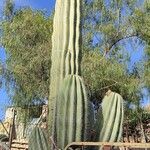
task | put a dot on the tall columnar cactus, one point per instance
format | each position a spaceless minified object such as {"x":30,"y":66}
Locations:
{"x":57,"y":47}
{"x":72,"y":109}
{"x":111,"y":118}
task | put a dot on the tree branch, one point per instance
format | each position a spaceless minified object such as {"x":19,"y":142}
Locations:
{"x":121,"y":38}
{"x":106,"y":87}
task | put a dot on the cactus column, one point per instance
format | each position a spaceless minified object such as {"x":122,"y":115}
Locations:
{"x":69,"y":109}
{"x":111,"y":118}
{"x":57,"y":47}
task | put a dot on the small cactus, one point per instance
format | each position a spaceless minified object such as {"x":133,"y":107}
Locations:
{"x":111,"y":118}
{"x":38,"y":140}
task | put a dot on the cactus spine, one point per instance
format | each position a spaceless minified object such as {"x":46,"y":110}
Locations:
{"x":67,"y":89}
{"x":111,"y":118}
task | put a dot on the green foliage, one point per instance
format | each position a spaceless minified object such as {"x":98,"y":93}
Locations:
{"x":107,"y":27}
{"x":141,"y":23}
{"x":101,"y":74}
{"x":24,"y":114}
{"x":136,"y":120}
{"x":9,"y":8}
{"x":107,"y":23}
{"x":27,"y":41}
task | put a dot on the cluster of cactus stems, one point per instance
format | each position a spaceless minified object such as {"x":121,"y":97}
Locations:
{"x":70,"y":113}
{"x":69,"y":109}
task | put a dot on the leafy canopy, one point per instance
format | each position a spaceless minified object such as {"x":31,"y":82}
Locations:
{"x":27,"y":42}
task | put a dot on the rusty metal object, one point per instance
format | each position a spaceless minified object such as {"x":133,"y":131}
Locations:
{"x":104,"y":144}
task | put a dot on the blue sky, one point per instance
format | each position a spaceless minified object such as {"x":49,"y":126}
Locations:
{"x":45,"y":5}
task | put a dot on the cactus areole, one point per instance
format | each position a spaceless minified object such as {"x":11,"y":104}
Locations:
{"x":69,"y":110}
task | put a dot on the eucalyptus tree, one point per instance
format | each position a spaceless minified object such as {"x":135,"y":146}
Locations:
{"x":26,"y":38}
{"x":107,"y":27}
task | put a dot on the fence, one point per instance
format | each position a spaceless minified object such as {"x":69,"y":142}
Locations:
{"x":109,"y":145}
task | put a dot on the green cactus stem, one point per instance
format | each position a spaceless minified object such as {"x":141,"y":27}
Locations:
{"x":74,"y":120}
{"x":111,"y":118}
{"x":65,"y":48}
{"x":69,"y":109}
